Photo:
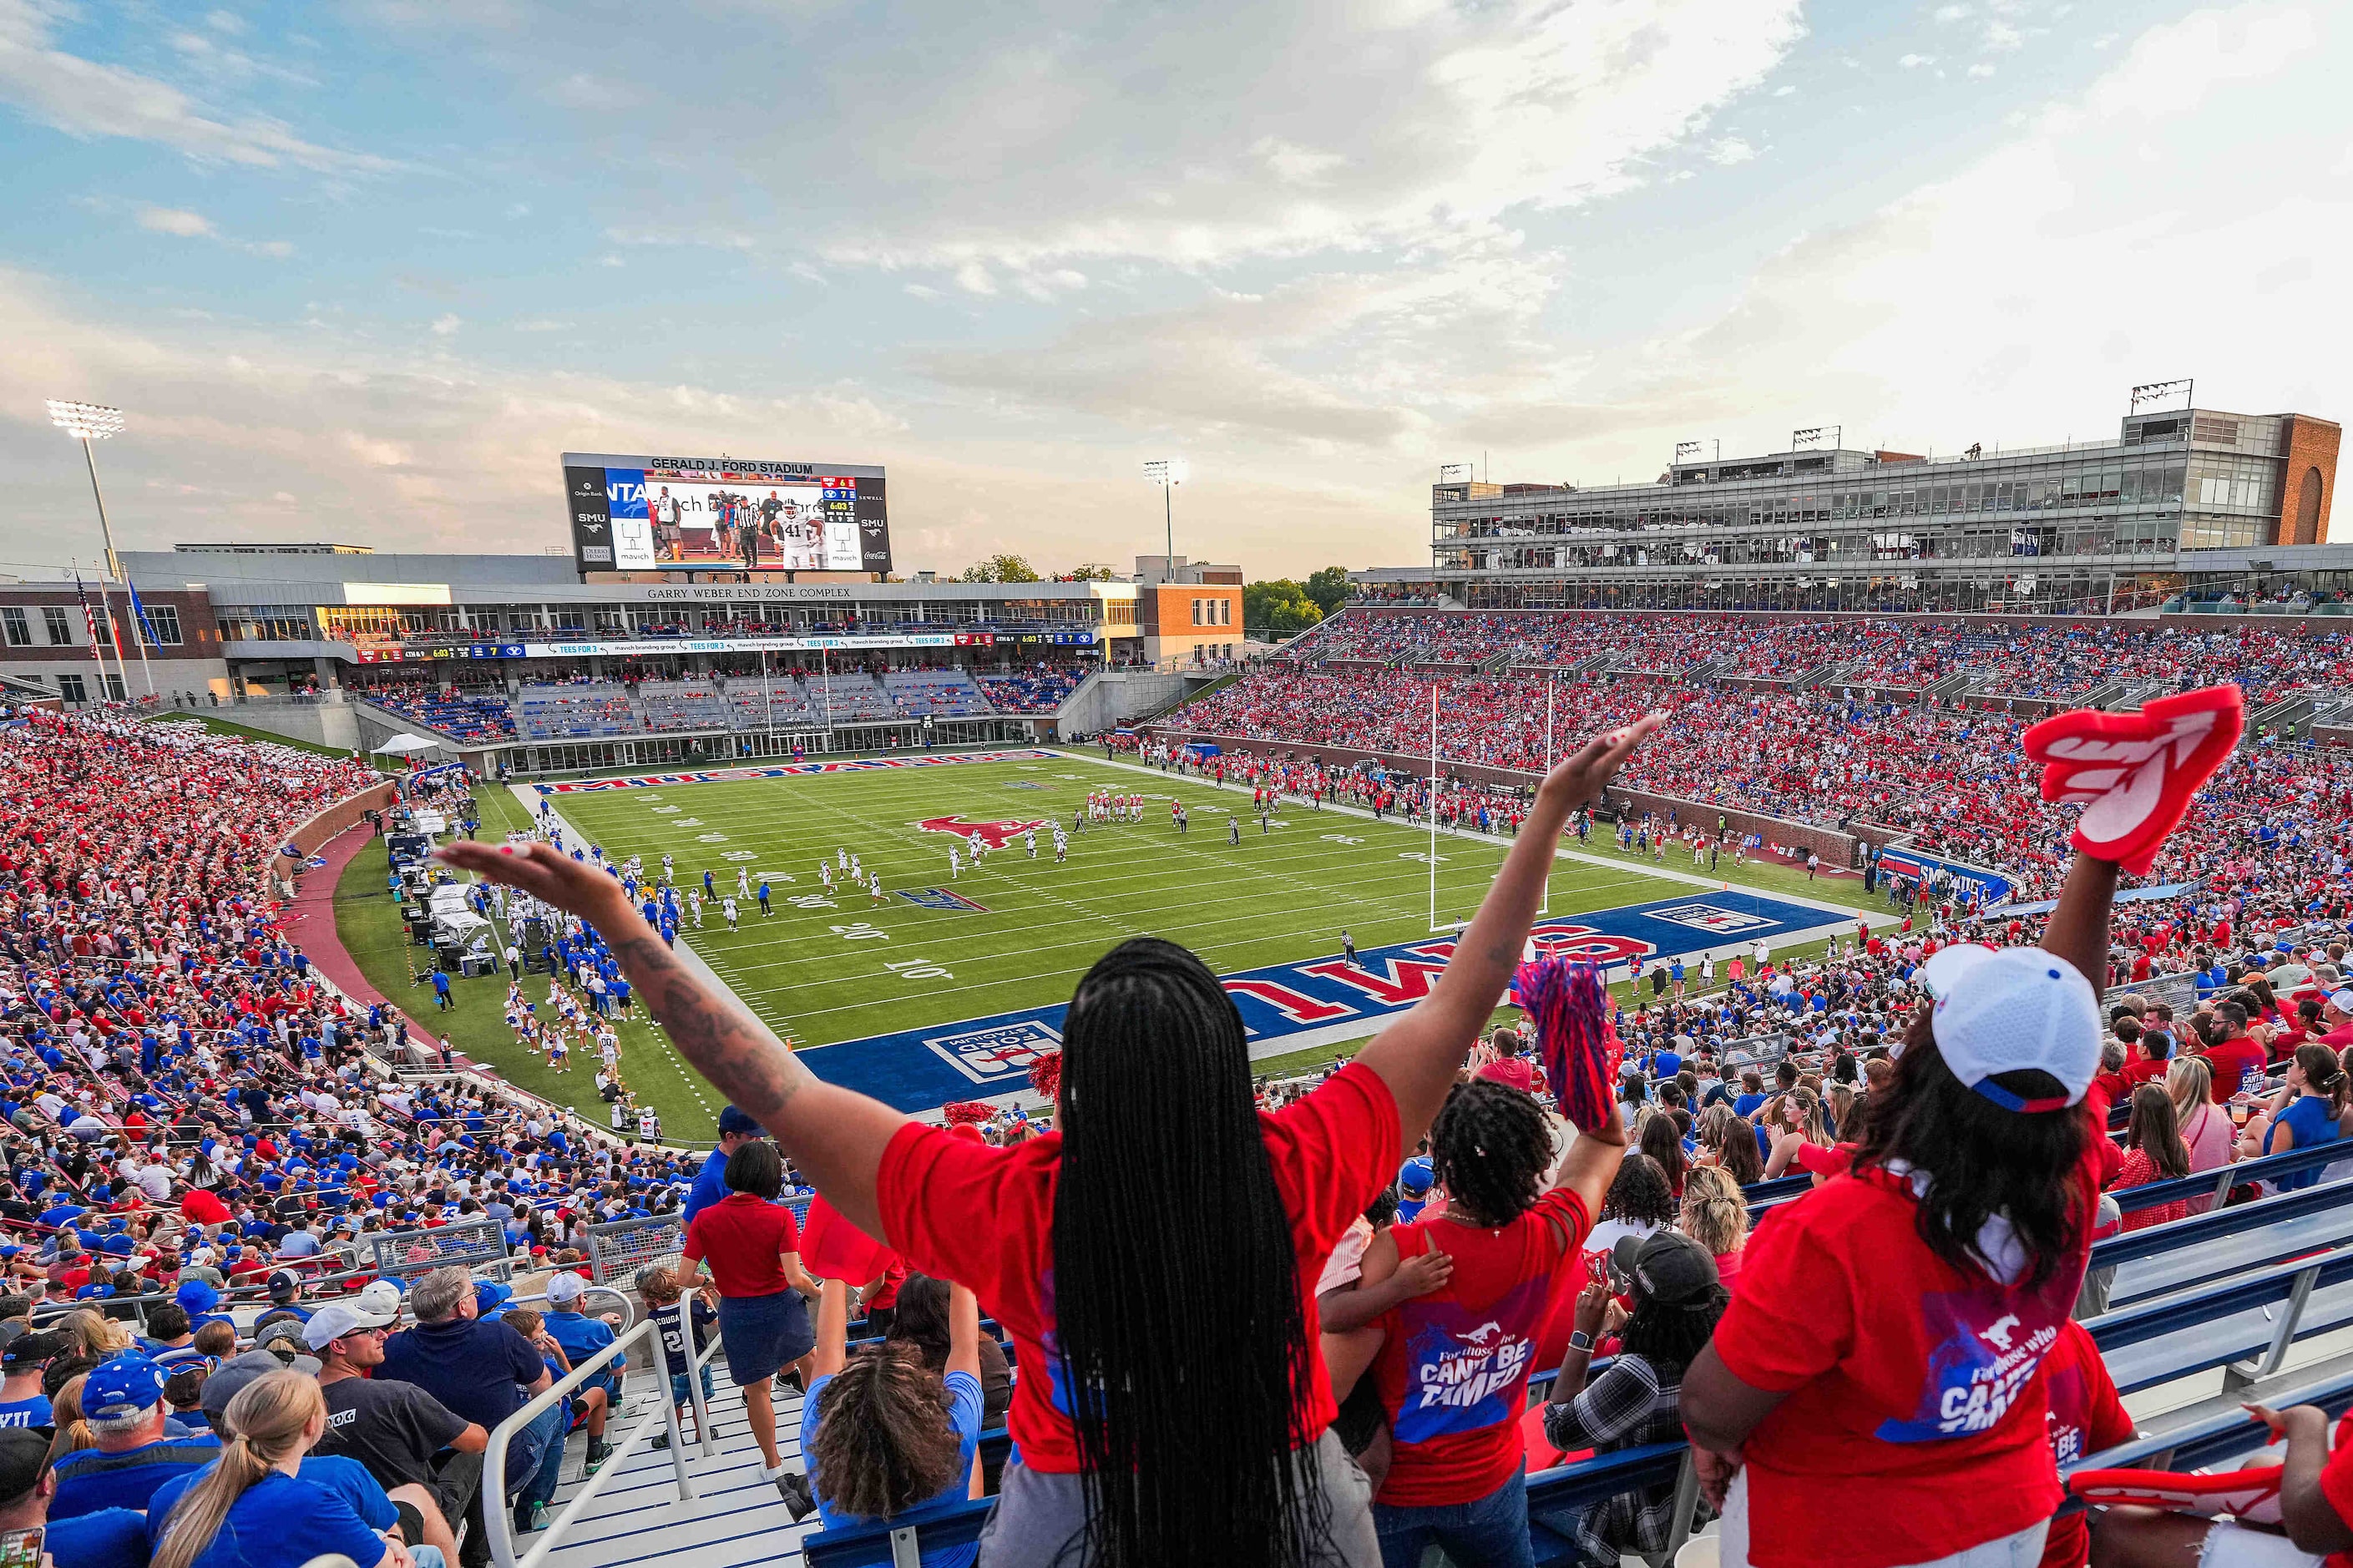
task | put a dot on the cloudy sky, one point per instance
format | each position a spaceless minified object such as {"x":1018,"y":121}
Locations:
{"x":359,"y":269}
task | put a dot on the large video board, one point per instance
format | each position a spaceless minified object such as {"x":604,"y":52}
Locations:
{"x":699,"y":514}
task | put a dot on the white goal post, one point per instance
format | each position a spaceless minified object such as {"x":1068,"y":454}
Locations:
{"x":1543,"y":905}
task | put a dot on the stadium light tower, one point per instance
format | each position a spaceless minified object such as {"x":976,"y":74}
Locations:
{"x":86,"y":423}
{"x":1167,"y":473}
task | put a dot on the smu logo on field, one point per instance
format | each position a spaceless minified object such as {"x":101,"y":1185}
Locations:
{"x":941,"y":899}
{"x":995,"y":835}
{"x":1710,"y":918}
{"x":1002,"y":1056}
{"x":625,"y":493}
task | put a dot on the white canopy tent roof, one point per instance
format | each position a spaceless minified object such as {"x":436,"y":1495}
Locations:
{"x":402,"y":745}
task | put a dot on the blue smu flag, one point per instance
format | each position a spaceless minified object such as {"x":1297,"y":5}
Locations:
{"x":139,"y":611}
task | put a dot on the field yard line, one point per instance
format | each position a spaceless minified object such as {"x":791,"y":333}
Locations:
{"x":1601,"y":891}
{"x":1320,"y":895}
{"x":1712,"y":884}
{"x":693,"y":961}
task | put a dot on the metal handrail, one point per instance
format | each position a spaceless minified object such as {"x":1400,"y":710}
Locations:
{"x":498,"y":1522}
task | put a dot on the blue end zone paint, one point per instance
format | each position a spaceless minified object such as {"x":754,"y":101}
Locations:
{"x":921,"y":1069}
{"x":941,"y":899}
{"x":793,"y":770}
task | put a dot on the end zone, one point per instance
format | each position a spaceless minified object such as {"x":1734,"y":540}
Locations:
{"x":1291,"y":1007}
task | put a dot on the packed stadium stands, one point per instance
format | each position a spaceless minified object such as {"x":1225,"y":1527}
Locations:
{"x":170,"y":1054}
{"x":1039,"y":691}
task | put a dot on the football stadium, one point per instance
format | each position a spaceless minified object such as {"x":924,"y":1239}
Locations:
{"x":585,"y":1008}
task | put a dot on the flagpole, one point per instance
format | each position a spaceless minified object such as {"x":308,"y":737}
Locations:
{"x":1431,"y":806}
{"x":97,"y":642}
{"x":140,"y":631}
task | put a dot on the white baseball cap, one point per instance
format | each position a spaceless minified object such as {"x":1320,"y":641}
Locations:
{"x":2010,"y":1010}
{"x":566,"y":1287}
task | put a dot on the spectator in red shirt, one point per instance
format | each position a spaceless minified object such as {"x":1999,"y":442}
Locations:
{"x":1172,"y":1405}
{"x":754,"y":1253}
{"x":2153,"y":1152}
{"x":2086,"y":1417}
{"x":2238,"y":1062}
{"x":1457,"y":1472}
{"x":1887,"y":1330}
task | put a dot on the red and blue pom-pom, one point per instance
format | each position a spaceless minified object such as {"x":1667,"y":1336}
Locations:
{"x":1579,"y":1049}
{"x":958,"y":1112}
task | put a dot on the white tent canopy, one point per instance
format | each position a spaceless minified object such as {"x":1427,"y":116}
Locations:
{"x":402,"y":745}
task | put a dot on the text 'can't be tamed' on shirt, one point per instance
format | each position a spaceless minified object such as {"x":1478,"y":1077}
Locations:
{"x":1914,"y":1424}
{"x":985,"y":1217}
{"x":1453,"y":1368}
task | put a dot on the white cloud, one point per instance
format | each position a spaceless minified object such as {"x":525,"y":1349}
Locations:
{"x":445,"y":325}
{"x":85,"y":98}
{"x":2001,"y":35}
{"x":1912,"y":62}
{"x":542,"y":324}
{"x":2045,"y":309}
{"x":174,"y":220}
{"x":225,"y":22}
{"x":974,"y":278}
{"x":1981,"y":70}
{"x":1949,"y":14}
{"x":1730,"y":150}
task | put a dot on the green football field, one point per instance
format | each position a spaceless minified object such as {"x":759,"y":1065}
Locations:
{"x":834,"y":965}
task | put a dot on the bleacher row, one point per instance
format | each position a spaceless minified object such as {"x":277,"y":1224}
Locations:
{"x":597,"y":710}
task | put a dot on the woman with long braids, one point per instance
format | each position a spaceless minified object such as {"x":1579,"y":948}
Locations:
{"x":1457,"y":1474}
{"x":1173,"y":1407}
{"x":1886,"y":1336}
{"x":250,"y":1508}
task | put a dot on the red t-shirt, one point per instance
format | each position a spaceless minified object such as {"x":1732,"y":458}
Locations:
{"x":985,"y":1217}
{"x":1908,"y":1382}
{"x":1453,"y":1368}
{"x":2140,"y":1070}
{"x":2337,"y":1484}
{"x":2237,"y":1065}
{"x":746,"y":1238}
{"x":2086,"y":1417}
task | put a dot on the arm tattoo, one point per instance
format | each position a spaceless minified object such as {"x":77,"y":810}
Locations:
{"x":743,"y":1061}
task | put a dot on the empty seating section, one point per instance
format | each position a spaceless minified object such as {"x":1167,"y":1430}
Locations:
{"x":673,"y":705}
{"x":777,"y":703}
{"x":575,"y":712}
{"x":1041,"y":691}
{"x":841,"y":699}
{"x":942,"y":693}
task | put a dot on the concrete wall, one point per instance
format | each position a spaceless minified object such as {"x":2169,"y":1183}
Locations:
{"x":321,"y":723}
{"x":1109,"y":697}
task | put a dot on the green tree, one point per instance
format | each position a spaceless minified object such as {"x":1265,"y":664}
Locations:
{"x":1090,"y":572}
{"x":1000,"y":569}
{"x":1279,"y":607}
{"x":1328,"y":588}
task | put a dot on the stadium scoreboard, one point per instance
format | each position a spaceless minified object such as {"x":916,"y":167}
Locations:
{"x":698,"y":514}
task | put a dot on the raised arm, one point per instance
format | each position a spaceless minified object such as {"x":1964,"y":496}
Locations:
{"x":964,"y":1331}
{"x":832,"y":1329}
{"x":1418,"y":1055}
{"x":834,"y":1134}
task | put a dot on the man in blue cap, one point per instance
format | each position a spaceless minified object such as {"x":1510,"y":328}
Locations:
{"x":736,"y":1128}
{"x":122,"y":1400}
{"x":1414,"y":1180}
{"x":198,"y":1299}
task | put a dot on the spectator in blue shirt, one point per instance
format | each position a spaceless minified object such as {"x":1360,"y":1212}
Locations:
{"x":111,"y":1538}
{"x":887,"y":1438}
{"x":254,"y":1508}
{"x":736,"y":1128}
{"x":123,"y":1405}
{"x":27,"y":1356}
